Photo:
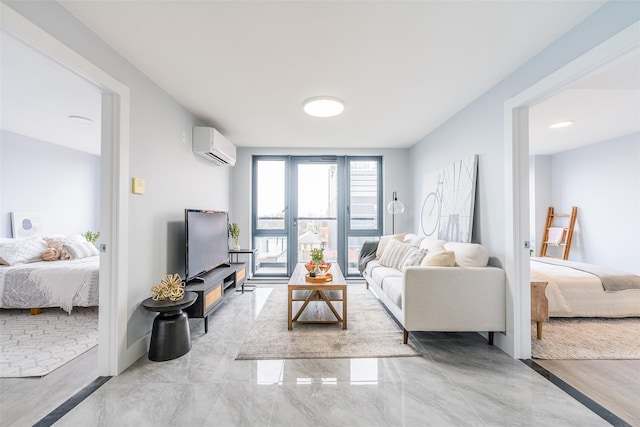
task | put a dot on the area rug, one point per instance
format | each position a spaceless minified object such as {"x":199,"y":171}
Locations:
{"x":371,"y":332}
{"x":587,"y":338}
{"x":34,"y":346}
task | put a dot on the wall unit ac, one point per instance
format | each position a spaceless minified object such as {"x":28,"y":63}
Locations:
{"x":212,"y":145}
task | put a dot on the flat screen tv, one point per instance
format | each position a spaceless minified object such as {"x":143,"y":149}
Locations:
{"x":207,"y":241}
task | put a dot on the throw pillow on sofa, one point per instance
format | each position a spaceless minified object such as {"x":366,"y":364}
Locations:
{"x":384,"y":241}
{"x":413,"y":239}
{"x":394,"y":254}
{"x":469,"y":254}
{"x":432,"y":244}
{"x":439,"y":259}
{"x":413,"y":258}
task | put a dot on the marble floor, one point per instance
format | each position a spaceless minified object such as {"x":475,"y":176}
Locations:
{"x":459,"y":380}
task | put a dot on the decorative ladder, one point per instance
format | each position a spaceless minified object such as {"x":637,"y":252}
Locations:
{"x":568,"y":236}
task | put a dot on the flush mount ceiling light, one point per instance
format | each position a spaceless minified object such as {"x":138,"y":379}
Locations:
{"x":562,"y":124}
{"x":323,"y":106}
{"x":81,"y":119}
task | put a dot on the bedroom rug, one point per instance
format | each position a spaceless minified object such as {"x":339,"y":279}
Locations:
{"x":587,"y":338}
{"x":371,"y":332}
{"x":34,"y":346}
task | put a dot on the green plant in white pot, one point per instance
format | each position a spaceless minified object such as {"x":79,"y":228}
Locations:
{"x":234,"y":232}
{"x":91,"y":236}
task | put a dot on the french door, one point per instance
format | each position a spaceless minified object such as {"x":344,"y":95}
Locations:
{"x":305,"y":202}
{"x":316,"y":204}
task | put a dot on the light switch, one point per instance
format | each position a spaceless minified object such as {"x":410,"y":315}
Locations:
{"x":137,"y":186}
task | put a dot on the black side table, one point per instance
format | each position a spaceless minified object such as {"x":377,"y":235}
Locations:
{"x":170,"y":336}
{"x":237,"y":252}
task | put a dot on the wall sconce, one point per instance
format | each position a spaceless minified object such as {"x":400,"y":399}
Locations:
{"x":395,"y":207}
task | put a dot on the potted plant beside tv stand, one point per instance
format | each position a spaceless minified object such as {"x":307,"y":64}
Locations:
{"x":210,"y":288}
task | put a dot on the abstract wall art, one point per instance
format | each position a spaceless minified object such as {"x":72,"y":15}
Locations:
{"x":447,"y":202}
{"x":25,"y":224}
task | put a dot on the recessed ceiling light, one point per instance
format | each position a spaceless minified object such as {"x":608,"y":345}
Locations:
{"x":81,"y":119}
{"x":562,"y":124}
{"x":323,"y":106}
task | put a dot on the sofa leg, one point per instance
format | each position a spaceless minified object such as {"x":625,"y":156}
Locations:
{"x":405,"y":336}
{"x":490,"y":338}
{"x":366,"y":283}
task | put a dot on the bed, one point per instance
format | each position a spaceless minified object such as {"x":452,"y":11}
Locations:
{"x":65,"y":284}
{"x":70,"y":279}
{"x":574,"y":292}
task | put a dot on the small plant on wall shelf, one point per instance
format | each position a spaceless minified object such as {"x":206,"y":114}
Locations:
{"x":91,"y":236}
{"x":234,"y":232}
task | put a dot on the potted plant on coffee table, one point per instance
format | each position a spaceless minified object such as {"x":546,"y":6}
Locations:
{"x":317,"y":259}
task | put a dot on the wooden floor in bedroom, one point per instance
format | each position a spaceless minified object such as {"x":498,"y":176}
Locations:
{"x":25,"y":401}
{"x":614,"y":384}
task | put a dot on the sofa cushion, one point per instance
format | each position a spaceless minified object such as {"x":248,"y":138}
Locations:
{"x":372,"y":265}
{"x":394,"y":253}
{"x":393,"y":289}
{"x":437,"y":258}
{"x":384,"y":241}
{"x":469,"y":254}
{"x":380,"y":275}
{"x":431,"y":244}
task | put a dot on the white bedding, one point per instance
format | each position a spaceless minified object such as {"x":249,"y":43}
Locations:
{"x":575,"y":293}
{"x":63,"y":284}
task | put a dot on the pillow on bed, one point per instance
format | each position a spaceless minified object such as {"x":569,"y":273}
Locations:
{"x":81,"y":250}
{"x":57,"y":242}
{"x":50,"y":254}
{"x":22,"y":251}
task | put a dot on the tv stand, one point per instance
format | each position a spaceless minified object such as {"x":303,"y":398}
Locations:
{"x":210,"y":288}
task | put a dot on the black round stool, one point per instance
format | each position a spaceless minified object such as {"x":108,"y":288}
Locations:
{"x":170,"y":336}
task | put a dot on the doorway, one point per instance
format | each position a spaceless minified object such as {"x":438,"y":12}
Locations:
{"x":516,"y":119}
{"x":517,"y":160}
{"x":316,"y":207}
{"x":113,"y":356}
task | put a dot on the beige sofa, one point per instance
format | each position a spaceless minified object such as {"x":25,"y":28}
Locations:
{"x":452,"y":289}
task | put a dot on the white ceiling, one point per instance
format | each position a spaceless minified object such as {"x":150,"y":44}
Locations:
{"x":402,"y":68}
{"x":38,"y":96}
{"x":602,"y":106}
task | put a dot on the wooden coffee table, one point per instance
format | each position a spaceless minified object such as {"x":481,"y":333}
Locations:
{"x":316,"y":292}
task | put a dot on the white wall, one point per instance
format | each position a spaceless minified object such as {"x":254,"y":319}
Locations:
{"x":395,"y":177}
{"x":61,"y":184}
{"x":603,"y":181}
{"x":539,"y":198}
{"x":175,"y":178}
{"x":479,"y":129}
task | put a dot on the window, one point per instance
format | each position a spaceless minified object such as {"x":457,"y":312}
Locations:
{"x":304,"y":202}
